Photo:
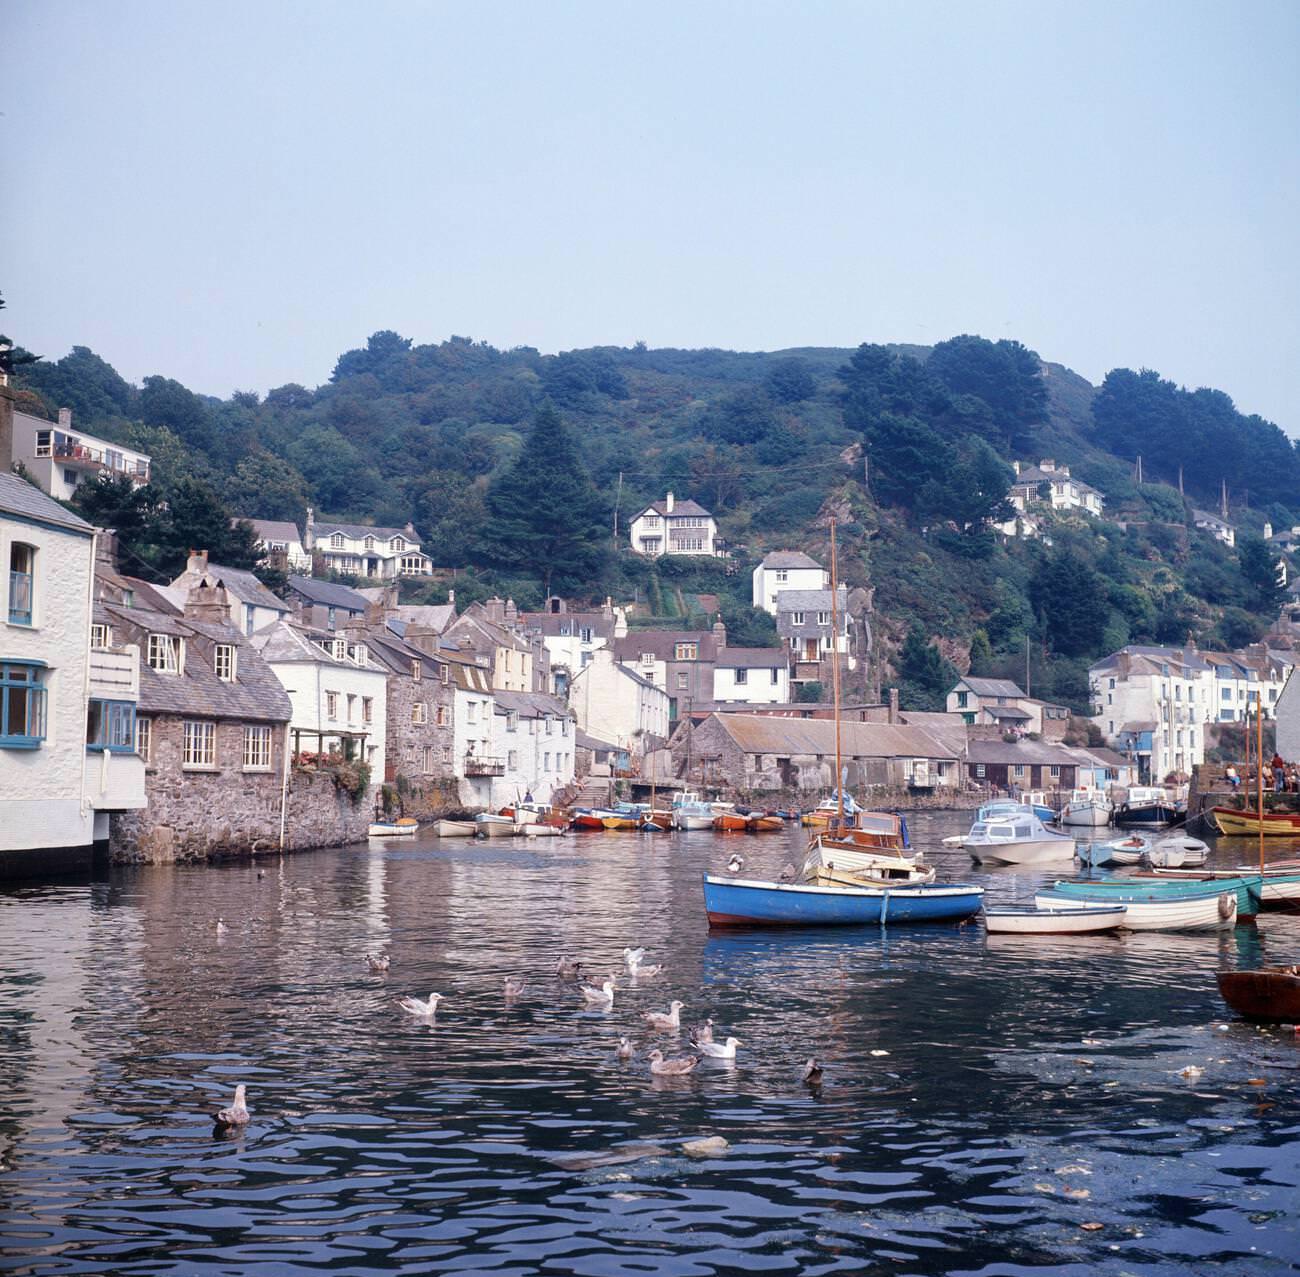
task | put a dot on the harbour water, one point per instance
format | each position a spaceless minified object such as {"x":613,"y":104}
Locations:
{"x":989,"y":1105}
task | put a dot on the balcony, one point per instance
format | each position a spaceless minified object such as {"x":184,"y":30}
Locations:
{"x":477,"y":765}
{"x":73,"y":452}
{"x":115,"y":673}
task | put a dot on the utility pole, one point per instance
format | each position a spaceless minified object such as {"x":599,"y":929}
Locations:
{"x":618,"y":496}
{"x":1139,"y":470}
{"x":1223,"y":497}
{"x":1181,"y":493}
{"x":1028,"y":689}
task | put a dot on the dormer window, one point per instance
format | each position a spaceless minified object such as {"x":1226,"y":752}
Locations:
{"x":398,"y":543}
{"x":224,"y":662}
{"x":340,"y":649}
{"x":336,"y":541}
{"x":101,"y":636}
{"x":166,"y":653}
{"x":360,"y":655}
{"x":370,"y":543}
{"x":417,"y":671}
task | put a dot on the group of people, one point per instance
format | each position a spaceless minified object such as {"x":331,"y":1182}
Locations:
{"x":1286,"y":776}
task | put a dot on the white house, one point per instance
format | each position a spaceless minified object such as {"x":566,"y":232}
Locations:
{"x":786,"y":570}
{"x":280,"y":540}
{"x":356,"y":549}
{"x":1219,"y":529}
{"x":614,"y":703}
{"x":751,"y":676}
{"x":1063,"y":492}
{"x":474,"y":764}
{"x":535,"y":734}
{"x":67,"y":713}
{"x":59,"y":458}
{"x":339,"y":697}
{"x":253,"y":606}
{"x":571,"y":638}
{"x":674,"y":527}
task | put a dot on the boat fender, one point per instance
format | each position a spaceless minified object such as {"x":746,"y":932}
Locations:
{"x":1226,"y":903}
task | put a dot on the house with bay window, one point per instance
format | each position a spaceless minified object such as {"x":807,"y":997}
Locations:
{"x":356,"y":549}
{"x":674,"y":527}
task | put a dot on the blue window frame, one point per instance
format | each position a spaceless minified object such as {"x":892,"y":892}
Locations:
{"x":22,"y":564}
{"x":110,"y":725}
{"x":22,"y":704}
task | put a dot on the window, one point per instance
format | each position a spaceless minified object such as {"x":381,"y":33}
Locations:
{"x":110,"y":725}
{"x":687,"y":651}
{"x":224,"y":662}
{"x":257,"y":749}
{"x":823,"y":618}
{"x":249,"y":613}
{"x":687,"y":544}
{"x":144,"y":738}
{"x":446,"y":753}
{"x":471,"y":712}
{"x":370,"y":543}
{"x":339,"y":649}
{"x":1054,"y":772}
{"x":367,"y":709}
{"x":200,"y":744}
{"x":776,"y":677}
{"x":512,"y":759}
{"x":419,"y":712}
{"x":352,"y":708}
{"x":165,"y":653}
{"x":101,"y":636}
{"x":585,"y":634}
{"x":796,"y":618}
{"x":564,"y":727}
{"x":417,"y":671}
{"x":444,"y":673}
{"x":980,"y":771}
{"x":546,"y":761}
{"x":647,"y":658}
{"x":440,"y":716}
{"x":22,"y":704}
{"x":427,"y":764}
{"x":512,"y":721}
{"x":652,"y":520}
{"x":962,"y":698}
{"x":550,"y":724}
{"x":782,"y":576}
{"x":413,"y":564}
{"x":331,"y":618}
{"x":1112,"y":684}
{"x":398,"y":544}
{"x":683,"y":681}
{"x":336,"y":541}
{"x":331,"y":705}
{"x":22,"y":568}
{"x":742,"y":676}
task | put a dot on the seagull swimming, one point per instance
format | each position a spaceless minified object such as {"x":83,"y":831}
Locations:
{"x":222,"y":929}
{"x":672,"y":1068}
{"x":643,"y":973}
{"x":624,"y":1051}
{"x":787,"y":874}
{"x":703,"y":1033}
{"x":812,"y":1072}
{"x":416,"y":1007}
{"x":567,"y":968}
{"x":672,"y":1019}
{"x":735,"y":864}
{"x":378,"y":963}
{"x":719,"y":1050}
{"x":514,"y":987}
{"x":633,"y":957}
{"x":604,"y":996}
{"x":236,"y":1114}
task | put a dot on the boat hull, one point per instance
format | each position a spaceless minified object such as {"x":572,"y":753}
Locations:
{"x":683,"y":821}
{"x":1084,"y":815}
{"x":383,"y":829}
{"x":1053,"y":922}
{"x":1030,"y":851}
{"x":588,"y":820}
{"x":538,"y":829}
{"x":738,"y":902}
{"x":1281,"y":824}
{"x":1271,"y":995}
{"x":1147,"y":816}
{"x":1209,"y":911}
{"x":765,"y":824}
{"x":826,"y":855}
{"x":494,"y":826}
{"x":730,"y":823}
{"x":454,"y":828}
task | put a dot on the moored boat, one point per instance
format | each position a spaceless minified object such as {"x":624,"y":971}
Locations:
{"x":730,"y":822}
{"x":1024,"y":920}
{"x":491,"y":824}
{"x":1177,"y":852}
{"x":739,"y":902}
{"x":1019,"y":839}
{"x":1147,"y":807}
{"x":405,"y":827}
{"x":764,"y":823}
{"x":1087,"y":807}
{"x":1276,"y":888}
{"x":1270,"y":994}
{"x":692,"y":812}
{"x":1273,"y":824}
{"x":825,"y":855}
{"x":454,"y":828}
{"x":537,"y":829}
{"x":1149,"y":910}
{"x":1118,"y":851}
{"x":587,"y":818}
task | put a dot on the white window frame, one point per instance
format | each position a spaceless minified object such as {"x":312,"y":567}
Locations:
{"x":367,"y":709}
{"x":419,"y":714}
{"x":332,"y":706}
{"x":257,"y":747}
{"x":165,"y":653}
{"x":225,"y":662}
{"x":144,"y":738}
{"x":101,"y":636}
{"x":199,"y":745}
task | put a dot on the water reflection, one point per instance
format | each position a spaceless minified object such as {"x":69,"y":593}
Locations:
{"x":974,"y":1087}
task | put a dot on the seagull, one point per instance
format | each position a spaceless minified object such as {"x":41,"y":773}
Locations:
{"x":567,"y":968}
{"x":812,"y":1072}
{"x":787,"y":874}
{"x":642,"y":973}
{"x":672,"y":1068}
{"x":624,"y":1051}
{"x":735,"y":864}
{"x":222,"y":929}
{"x":378,"y":963}
{"x":604,"y":996}
{"x":513,"y":987}
{"x":719,"y":1051}
{"x":671,"y":1019}
{"x":632,"y":957}
{"x":416,"y":1007}
{"x":704,"y":1033}
{"x":236,"y":1114}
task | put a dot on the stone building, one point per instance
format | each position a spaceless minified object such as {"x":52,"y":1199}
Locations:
{"x":680,"y":662}
{"x":493,"y":632}
{"x":253,"y":606}
{"x":535,"y":734}
{"x":324,"y":604}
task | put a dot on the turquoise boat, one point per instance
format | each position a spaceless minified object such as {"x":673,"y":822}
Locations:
{"x":1247,"y":888}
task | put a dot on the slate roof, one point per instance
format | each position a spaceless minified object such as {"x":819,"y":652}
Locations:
{"x":273,"y":529}
{"x":753,"y":658}
{"x":1155,"y":656}
{"x":810,"y":600}
{"x":359,"y":531}
{"x":1032,"y":476}
{"x":531,"y":704}
{"x":679,"y":507}
{"x":773,"y":734}
{"x":583,"y":741}
{"x":663,"y":644}
{"x":327,"y":593}
{"x":1204,"y":516}
{"x":242,"y":584}
{"x":1008,"y":712}
{"x":789,"y":559}
{"x":1031,"y":752}
{"x":550,"y":623}
{"x":256,"y":694}
{"x":19,"y":497}
{"x":992,"y":687}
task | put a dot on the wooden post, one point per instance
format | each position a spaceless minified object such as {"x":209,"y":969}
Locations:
{"x":835,"y":681}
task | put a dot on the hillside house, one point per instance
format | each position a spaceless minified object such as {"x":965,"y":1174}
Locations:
{"x":535,"y":734}
{"x":68,"y":692}
{"x":616,"y":702}
{"x":807,"y":625}
{"x":1220,"y":529}
{"x":751,"y":676}
{"x":253,"y":606}
{"x":324,"y":605}
{"x":756,"y":753}
{"x":1049,"y":483}
{"x":786,"y":570}
{"x":280,"y":544}
{"x":571,"y":638}
{"x":60,"y":459}
{"x":674,"y":527}
{"x":679,"y":662}
{"x":355,"y":549}
{"x":999,"y":702}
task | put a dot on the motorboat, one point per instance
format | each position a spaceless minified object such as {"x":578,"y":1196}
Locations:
{"x":1178,"y":852}
{"x":1088,"y":807}
{"x":690,"y":811}
{"x":1118,"y":851}
{"x":403,"y":827}
{"x":740,"y":902}
{"x":1270,"y":994}
{"x":1147,"y":807}
{"x":1019,"y":839}
{"x":491,"y":824}
{"x":1213,"y":910}
{"x":455,"y":828}
{"x":1034,"y":799}
{"x":1026,"y":920}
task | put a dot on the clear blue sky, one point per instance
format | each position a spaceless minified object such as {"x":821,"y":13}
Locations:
{"x":232,"y":194}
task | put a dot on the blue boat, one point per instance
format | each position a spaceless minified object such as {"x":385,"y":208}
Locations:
{"x":1247,"y":888}
{"x":741,"y":902}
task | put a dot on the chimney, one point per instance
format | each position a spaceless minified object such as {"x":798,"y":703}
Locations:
{"x":893,"y":705}
{"x":1124,"y":662}
{"x":6,"y":427}
{"x":106,"y":550}
{"x":208,"y":602}
{"x":423,"y":637}
{"x":309,"y":531}
{"x":451,"y":598}
{"x":1015,"y":465}
{"x":495,"y":610}
{"x":719,"y":634}
{"x":1268,"y":529}
{"x":375,"y":613}
{"x":607,"y":608}
{"x":65,"y":418}
{"x":410,"y":531}
{"x":1047,"y":464}
{"x":197,"y":564}
{"x":511,"y":613}
{"x":668,"y":504}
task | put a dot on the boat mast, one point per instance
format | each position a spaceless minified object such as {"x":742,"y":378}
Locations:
{"x":1259,"y":760}
{"x":835,"y":682}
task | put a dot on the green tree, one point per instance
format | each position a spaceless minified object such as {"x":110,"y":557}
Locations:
{"x":924,"y":676}
{"x":13,"y":357}
{"x":981,"y":654}
{"x":790,"y":381}
{"x":1004,"y":374}
{"x":1259,"y":568}
{"x":265,"y":486}
{"x":1068,"y":596}
{"x":808,"y":693}
{"x":544,"y":515}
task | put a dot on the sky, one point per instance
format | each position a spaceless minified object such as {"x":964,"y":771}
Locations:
{"x":234,"y":194}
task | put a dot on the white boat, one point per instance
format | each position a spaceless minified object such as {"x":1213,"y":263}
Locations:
{"x":1022,"y":920}
{"x":1178,"y":852}
{"x":489,"y":825}
{"x":1118,"y":851}
{"x":690,"y":811}
{"x":880,"y":866}
{"x":406,"y":827}
{"x":1207,"y":911}
{"x":1019,"y":839}
{"x":454,"y":828}
{"x":1088,"y":807}
{"x":535,"y":829}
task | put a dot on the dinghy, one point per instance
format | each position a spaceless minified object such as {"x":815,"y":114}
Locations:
{"x":1118,"y":851}
{"x":1024,"y":920}
{"x":1178,"y":852}
{"x":454,"y":828}
{"x":1270,"y":995}
{"x":1149,"y":910}
{"x":740,"y":902}
{"x":489,"y":824}
{"x":405,"y":827}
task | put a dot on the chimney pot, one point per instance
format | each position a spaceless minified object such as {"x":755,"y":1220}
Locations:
{"x":65,"y":418}
{"x":668,"y":504}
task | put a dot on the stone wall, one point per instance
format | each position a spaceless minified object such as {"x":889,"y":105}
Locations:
{"x":419,"y":779}
{"x":195,"y":815}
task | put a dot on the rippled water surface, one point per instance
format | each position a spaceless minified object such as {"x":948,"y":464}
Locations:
{"x":987,"y":1103}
